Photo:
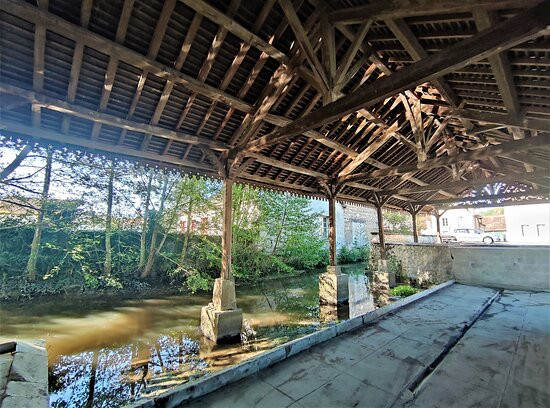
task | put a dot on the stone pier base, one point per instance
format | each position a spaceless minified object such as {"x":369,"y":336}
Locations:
{"x":221,"y":320}
{"x":381,"y":283}
{"x":333,"y":287}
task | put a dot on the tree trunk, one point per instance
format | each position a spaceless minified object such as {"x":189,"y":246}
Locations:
{"x":143,"y":239}
{"x":283,"y":220}
{"x":153,"y":247}
{"x":187,"y":233}
{"x":35,"y":246}
{"x":10,"y":168}
{"x":108,"y":223}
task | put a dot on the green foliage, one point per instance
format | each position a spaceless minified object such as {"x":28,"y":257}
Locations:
{"x":274,"y":234}
{"x":403,"y":291}
{"x":354,"y":254}
{"x":397,"y":222}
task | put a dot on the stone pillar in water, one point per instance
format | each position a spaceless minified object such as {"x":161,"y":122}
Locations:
{"x":381,"y":284}
{"x":333,"y":286}
{"x":221,"y":320}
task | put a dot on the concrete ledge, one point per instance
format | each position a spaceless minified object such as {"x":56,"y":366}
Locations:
{"x":190,"y":391}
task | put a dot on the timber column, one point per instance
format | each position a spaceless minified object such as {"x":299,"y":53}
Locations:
{"x":333,"y":284}
{"x":382,"y":278}
{"x":221,"y":320}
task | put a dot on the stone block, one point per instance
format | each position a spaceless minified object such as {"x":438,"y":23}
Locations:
{"x":224,"y":297}
{"x":334,"y":269}
{"x":221,"y":326}
{"x":29,"y":367}
{"x":36,"y":348}
{"x":333,"y":288}
{"x":26,"y":389}
{"x":19,"y":402}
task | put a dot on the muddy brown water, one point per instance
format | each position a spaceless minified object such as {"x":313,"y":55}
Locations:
{"x":104,"y":353}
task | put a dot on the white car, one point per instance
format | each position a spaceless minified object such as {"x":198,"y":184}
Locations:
{"x":473,"y":235}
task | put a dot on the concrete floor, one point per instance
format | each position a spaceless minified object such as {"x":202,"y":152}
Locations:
{"x":502,"y":360}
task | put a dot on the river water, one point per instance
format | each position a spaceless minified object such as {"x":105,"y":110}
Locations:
{"x":103,"y":353}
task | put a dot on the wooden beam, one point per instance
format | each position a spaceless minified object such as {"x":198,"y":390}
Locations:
{"x":105,"y":118}
{"x":111,"y":48}
{"x":112,"y":65}
{"x":235,"y":28}
{"x":492,"y":198}
{"x":506,"y":203}
{"x":350,"y":54}
{"x":500,"y":65}
{"x":227,"y":227}
{"x":503,"y":120}
{"x":303,"y":41}
{"x":64,"y":140}
{"x":407,"y":39}
{"x":478,"y":154}
{"x":38,"y":60}
{"x":85,"y":14}
{"x":285,"y":166}
{"x":369,"y":150}
{"x":384,"y":9}
{"x":516,"y":30}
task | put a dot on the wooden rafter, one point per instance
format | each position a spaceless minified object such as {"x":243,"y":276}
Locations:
{"x":516,"y":30}
{"x":385,"y":9}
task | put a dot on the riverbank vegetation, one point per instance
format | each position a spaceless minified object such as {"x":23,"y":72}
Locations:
{"x":71,"y":222}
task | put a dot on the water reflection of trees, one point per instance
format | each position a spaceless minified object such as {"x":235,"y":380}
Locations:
{"x":110,"y":377}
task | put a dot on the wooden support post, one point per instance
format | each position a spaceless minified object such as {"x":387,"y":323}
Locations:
{"x":227,"y":229}
{"x":332,"y":230}
{"x":415,"y":231}
{"x":379,"y":202}
{"x":381,"y":232}
{"x":438,"y":224}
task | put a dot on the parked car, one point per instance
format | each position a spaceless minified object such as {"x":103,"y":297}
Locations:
{"x":472,"y":235}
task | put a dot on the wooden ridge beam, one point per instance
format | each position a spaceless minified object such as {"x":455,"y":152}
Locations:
{"x":516,"y":30}
{"x":110,"y":48}
{"x":384,"y":9}
{"x":105,"y":118}
{"x":541,"y":141}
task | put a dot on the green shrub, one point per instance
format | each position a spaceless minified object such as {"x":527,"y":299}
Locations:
{"x":353,"y":254}
{"x":403,"y":291}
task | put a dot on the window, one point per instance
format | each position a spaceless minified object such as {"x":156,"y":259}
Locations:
{"x":324,"y":227}
{"x":445,"y":222}
{"x":540,"y":229}
{"x":524,"y":229}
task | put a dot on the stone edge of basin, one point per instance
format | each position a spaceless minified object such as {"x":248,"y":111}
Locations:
{"x":23,"y":375}
{"x":192,"y":390}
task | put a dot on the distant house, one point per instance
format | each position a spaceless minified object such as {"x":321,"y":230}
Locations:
{"x":528,"y":224}
{"x":354,"y":224}
{"x":453,"y":219}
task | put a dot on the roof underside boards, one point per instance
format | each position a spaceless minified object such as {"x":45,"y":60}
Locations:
{"x":185,"y":84}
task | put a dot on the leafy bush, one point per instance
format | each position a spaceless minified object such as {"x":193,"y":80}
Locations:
{"x":403,"y":291}
{"x":353,"y":254}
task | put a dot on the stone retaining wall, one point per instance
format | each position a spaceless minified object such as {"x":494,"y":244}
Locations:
{"x":503,"y":266}
{"x":426,"y":264}
{"x":23,"y":375}
{"x":499,"y":266}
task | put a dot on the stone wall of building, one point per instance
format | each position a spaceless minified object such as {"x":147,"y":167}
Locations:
{"x":359,"y":224}
{"x":424,"y":264}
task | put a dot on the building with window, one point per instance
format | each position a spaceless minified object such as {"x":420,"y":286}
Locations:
{"x":453,"y":219}
{"x":528,"y":224}
{"x":354,"y":224}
